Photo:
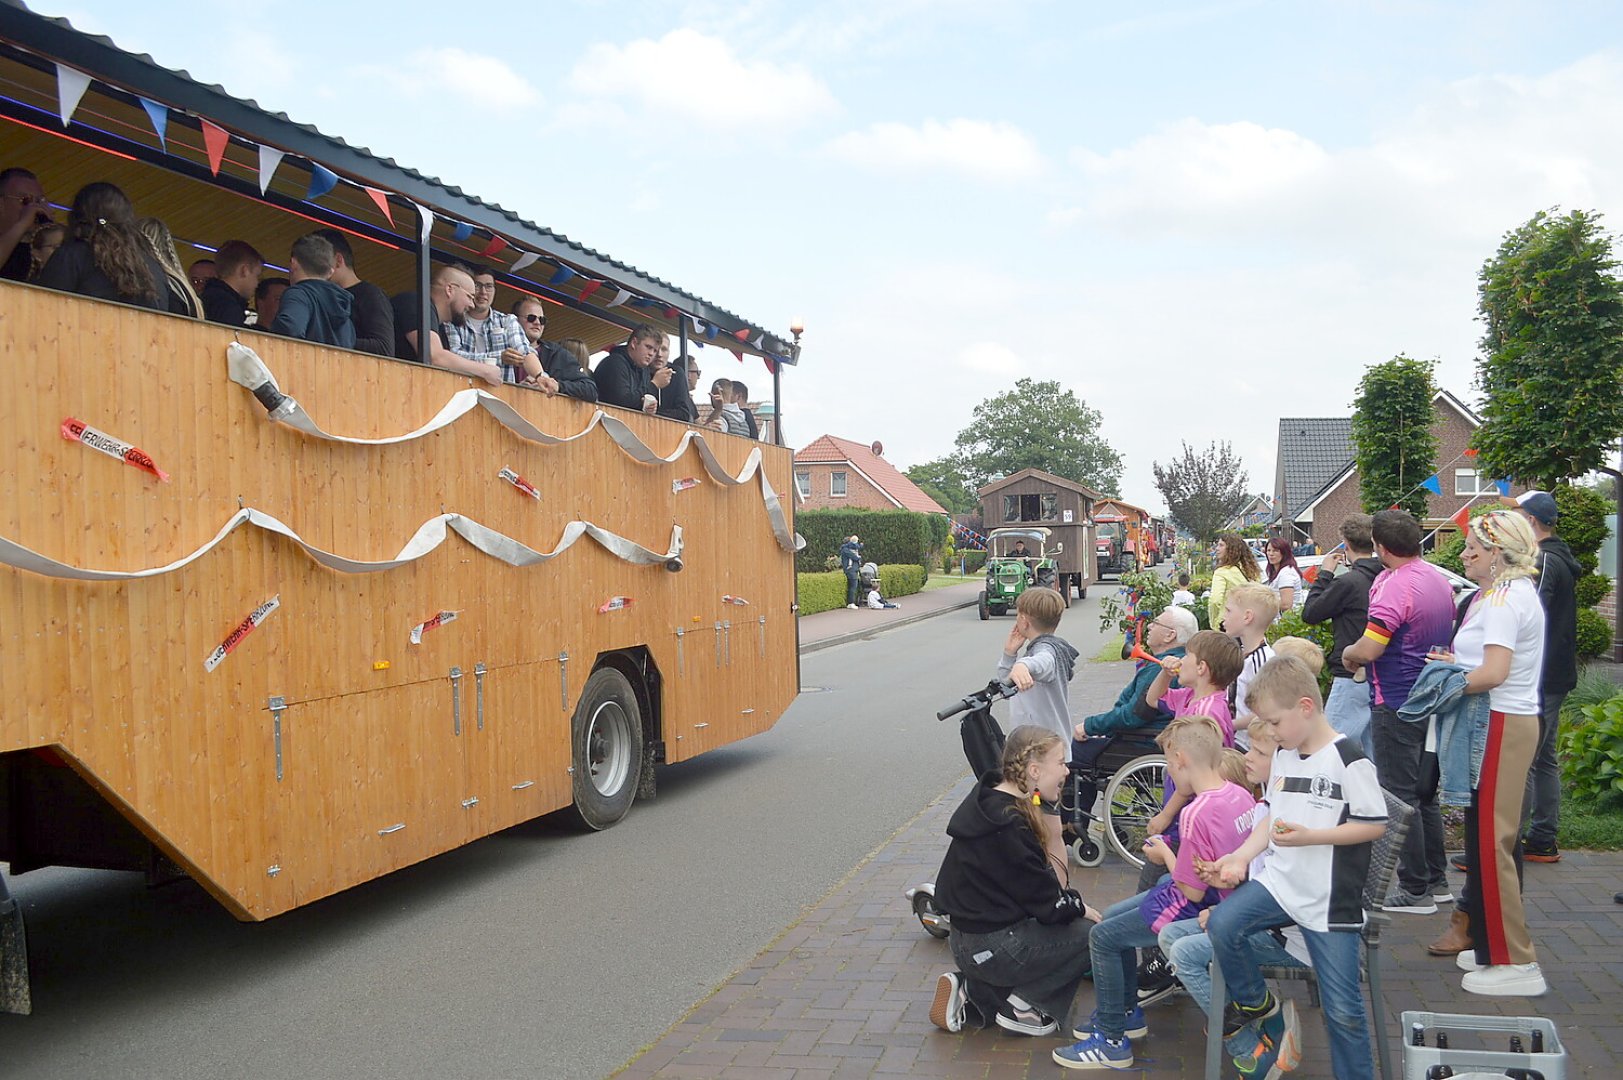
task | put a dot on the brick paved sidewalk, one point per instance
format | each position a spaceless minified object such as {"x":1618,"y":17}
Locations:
{"x":845,"y":992}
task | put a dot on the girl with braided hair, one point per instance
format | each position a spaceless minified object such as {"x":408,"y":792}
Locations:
{"x":1019,"y":937}
{"x":105,"y":256}
{"x":1500,"y":644}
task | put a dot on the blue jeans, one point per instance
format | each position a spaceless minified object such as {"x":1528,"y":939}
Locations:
{"x":1252,"y":907}
{"x":1347,"y":709}
{"x":1114,"y":944}
{"x":1190,"y":950}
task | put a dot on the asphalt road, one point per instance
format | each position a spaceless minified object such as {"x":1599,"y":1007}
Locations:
{"x":538,"y":952}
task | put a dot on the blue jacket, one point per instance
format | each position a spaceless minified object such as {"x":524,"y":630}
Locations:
{"x":1122,"y":716}
{"x":1462,"y":727}
{"x":850,"y":557}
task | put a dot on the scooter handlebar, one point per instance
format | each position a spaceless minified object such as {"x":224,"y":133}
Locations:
{"x":980,"y":699}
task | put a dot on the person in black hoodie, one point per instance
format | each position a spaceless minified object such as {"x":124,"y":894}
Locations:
{"x":370,"y":310}
{"x":1342,"y":600}
{"x":1558,"y":574}
{"x":1020,"y":940}
{"x":106,"y":256}
{"x":626,"y":376}
{"x":313,"y":308}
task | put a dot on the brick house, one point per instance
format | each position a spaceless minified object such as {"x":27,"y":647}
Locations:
{"x":1316,"y":483}
{"x":838,"y":474}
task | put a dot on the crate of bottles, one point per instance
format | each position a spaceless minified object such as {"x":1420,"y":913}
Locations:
{"x":1437,"y":1046}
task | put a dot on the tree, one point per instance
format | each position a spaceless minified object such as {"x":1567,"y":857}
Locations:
{"x":943,"y":481}
{"x":1552,"y":352}
{"x":1393,"y":444}
{"x":1204,"y":490}
{"x":1037,"y":425}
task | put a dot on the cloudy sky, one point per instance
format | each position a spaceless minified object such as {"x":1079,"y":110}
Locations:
{"x":1200,"y":217}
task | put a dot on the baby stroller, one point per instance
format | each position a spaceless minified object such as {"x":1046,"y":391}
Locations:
{"x":868,"y":577}
{"x":1108,"y":801}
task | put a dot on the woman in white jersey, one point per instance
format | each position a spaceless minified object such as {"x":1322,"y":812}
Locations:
{"x":1501,"y":644}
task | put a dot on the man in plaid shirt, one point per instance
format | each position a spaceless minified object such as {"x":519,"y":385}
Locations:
{"x":488,"y":336}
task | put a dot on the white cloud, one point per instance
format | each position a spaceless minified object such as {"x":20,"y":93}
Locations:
{"x":987,"y":150}
{"x":991,"y":358}
{"x":470,"y":78}
{"x":689,"y":76}
{"x":1193,"y":166}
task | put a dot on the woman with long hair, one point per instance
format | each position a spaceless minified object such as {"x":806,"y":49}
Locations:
{"x":181,"y":297}
{"x":1284,"y":577}
{"x":1020,"y":939}
{"x":1235,"y":565}
{"x":1500,"y":644}
{"x":105,"y":256}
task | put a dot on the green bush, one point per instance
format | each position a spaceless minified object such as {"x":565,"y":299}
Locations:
{"x":1583,"y":522}
{"x":1595,"y":685}
{"x":888,"y":536}
{"x":1591,"y":589}
{"x":1594,"y":633}
{"x":826,"y":591}
{"x":974,"y":562}
{"x":1448,"y":556}
{"x":1153,"y":593}
{"x":1290,"y":624}
{"x":1592,"y":754}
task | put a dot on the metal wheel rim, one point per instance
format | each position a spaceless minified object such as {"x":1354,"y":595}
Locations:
{"x":608,"y":748}
{"x":1134,"y":799}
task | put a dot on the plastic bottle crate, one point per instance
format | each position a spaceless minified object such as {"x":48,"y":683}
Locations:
{"x":1471,"y":1037}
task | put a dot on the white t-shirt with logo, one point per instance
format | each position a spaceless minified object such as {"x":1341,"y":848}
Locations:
{"x":1288,"y":578}
{"x":1511,"y":615}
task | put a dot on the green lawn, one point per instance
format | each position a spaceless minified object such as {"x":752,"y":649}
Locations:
{"x":941,"y":581}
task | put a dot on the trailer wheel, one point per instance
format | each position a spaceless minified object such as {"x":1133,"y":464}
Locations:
{"x":607,"y":749}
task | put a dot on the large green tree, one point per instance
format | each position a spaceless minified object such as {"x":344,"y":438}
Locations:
{"x":1393,"y":443}
{"x":943,"y":480}
{"x":1552,"y":351}
{"x":1203,"y":489}
{"x":1038,"y":425}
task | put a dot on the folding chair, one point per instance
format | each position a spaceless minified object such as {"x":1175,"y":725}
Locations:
{"x":1383,"y":872}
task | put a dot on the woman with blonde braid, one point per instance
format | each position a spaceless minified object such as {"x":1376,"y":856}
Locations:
{"x":1020,"y":940}
{"x":1500,"y":643}
{"x":105,"y":256}
{"x":179,"y":294}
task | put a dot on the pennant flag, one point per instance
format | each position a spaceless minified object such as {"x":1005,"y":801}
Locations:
{"x":758,"y":339}
{"x":771,"y":364}
{"x":425,"y":220}
{"x":494,"y":248}
{"x":322,"y":180}
{"x":269,"y":159}
{"x":524,"y":260}
{"x":563,"y":274}
{"x":590,"y":288}
{"x":1463,"y":518}
{"x":698,"y":325}
{"x":71,"y":85}
{"x":382,"y":200}
{"x":740,"y":356}
{"x":1470,"y":451}
{"x":1432,"y":484}
{"x":1503,"y":486}
{"x":620,"y":297}
{"x":462,"y":232}
{"x":159,"y":115}
{"x":711,"y":331}
{"x":671,"y":313}
{"x":742,"y":335}
{"x":1394,"y":506}
{"x":216,"y":138}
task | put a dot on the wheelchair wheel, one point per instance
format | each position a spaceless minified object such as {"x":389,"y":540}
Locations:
{"x":1085,"y":851}
{"x":1132,"y":797}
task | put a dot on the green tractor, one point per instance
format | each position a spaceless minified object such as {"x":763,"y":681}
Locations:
{"x":1017,"y":559}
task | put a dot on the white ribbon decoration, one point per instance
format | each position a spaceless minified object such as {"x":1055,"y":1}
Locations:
{"x":249,"y":371}
{"x":430,"y":535}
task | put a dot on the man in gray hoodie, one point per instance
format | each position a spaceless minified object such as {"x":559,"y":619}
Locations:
{"x":313,"y":308}
{"x":1558,"y":574}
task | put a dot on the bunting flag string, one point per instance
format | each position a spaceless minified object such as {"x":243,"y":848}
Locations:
{"x":381,"y":198}
{"x":71,"y":84}
{"x":621,"y":296}
{"x":322,"y":180}
{"x":524,"y":260}
{"x":158,"y":113}
{"x":462,"y":232}
{"x":1432,"y":484}
{"x":560,"y":276}
{"x":425,"y":219}
{"x":216,"y":139}
{"x":270,"y":159}
{"x":589,"y":288}
{"x":494,"y":248}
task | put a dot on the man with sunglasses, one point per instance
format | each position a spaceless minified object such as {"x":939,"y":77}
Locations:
{"x":558,"y":371}
{"x":22,"y":210}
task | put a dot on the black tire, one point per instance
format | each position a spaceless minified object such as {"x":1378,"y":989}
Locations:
{"x":607,"y":750}
{"x":999,"y":609}
{"x":930,"y":917}
{"x":985,"y":613}
{"x":1132,"y":797}
{"x":1082,"y":592}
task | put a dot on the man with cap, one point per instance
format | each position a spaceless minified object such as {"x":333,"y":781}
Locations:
{"x":1558,"y":574}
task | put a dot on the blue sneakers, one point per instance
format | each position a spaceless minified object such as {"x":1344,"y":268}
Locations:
{"x":1096,"y":1052}
{"x":1133,"y":1025}
{"x":1279,"y":1046}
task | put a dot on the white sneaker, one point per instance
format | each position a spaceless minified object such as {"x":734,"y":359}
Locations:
{"x":947,"y":1010}
{"x":1506,"y":980}
{"x":850,"y":607}
{"x":1409,"y":904}
{"x":1466,"y":961}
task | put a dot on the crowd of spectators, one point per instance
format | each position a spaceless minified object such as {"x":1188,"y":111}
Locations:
{"x":104,"y":251}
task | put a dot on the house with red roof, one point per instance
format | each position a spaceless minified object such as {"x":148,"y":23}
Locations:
{"x":840,"y":474}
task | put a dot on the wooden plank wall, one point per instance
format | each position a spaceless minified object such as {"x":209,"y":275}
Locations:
{"x":112,"y":673}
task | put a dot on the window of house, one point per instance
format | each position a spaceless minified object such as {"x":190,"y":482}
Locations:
{"x":1467,"y":482}
{"x":836,"y":485}
{"x":1043,"y":507}
{"x":803,"y":484}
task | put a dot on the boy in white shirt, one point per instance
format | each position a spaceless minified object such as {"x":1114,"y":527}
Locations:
{"x":1248,"y":611}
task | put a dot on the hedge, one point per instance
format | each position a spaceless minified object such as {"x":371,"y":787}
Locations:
{"x":888,"y":536}
{"x":825,"y":591}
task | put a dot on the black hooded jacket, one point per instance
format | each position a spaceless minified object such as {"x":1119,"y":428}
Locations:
{"x":996,"y":872}
{"x":1558,"y":574}
{"x":316,"y":310}
{"x":1342,"y":601}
